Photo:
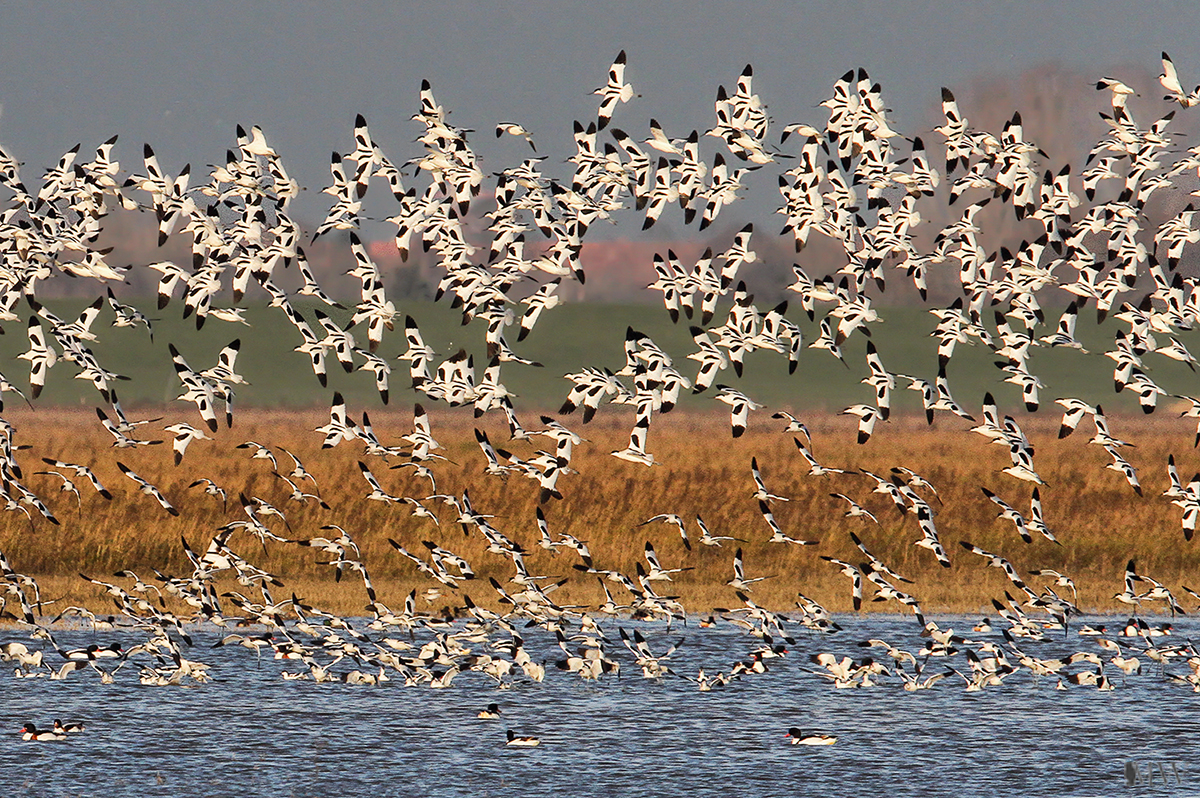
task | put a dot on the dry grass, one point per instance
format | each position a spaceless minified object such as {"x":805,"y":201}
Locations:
{"x":1095,"y":514}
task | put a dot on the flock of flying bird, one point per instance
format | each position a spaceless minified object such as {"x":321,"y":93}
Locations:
{"x":853,"y":180}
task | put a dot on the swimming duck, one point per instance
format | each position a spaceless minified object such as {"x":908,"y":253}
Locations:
{"x":31,"y":732}
{"x":516,"y":741}
{"x":799,"y":737}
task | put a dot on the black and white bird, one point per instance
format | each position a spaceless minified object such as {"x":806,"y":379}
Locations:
{"x":798,"y":737}
{"x":657,"y":572}
{"x":31,"y":732}
{"x":855,"y":574}
{"x":41,"y":356}
{"x":930,"y":539}
{"x":815,"y":469}
{"x":996,"y":561}
{"x":1175,"y":91}
{"x":760,"y":488}
{"x":855,"y":510}
{"x":522,"y":741}
{"x":777,"y":535}
{"x":674,"y":520}
{"x":81,"y":471}
{"x":709,"y":539}
{"x":184,"y":435}
{"x":339,"y":428}
{"x":514,"y":129}
{"x":739,"y":581}
{"x":121,"y":439}
{"x":867,"y":415}
{"x":377,"y":492}
{"x":614,"y":92}
{"x":1009,"y":514}
{"x":261,"y":452}
{"x":740,"y":406}
{"x":148,"y":489}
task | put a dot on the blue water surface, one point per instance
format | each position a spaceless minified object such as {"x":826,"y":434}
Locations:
{"x":250,"y":733}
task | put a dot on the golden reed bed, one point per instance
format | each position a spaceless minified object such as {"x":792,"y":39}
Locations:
{"x":1093,"y":511}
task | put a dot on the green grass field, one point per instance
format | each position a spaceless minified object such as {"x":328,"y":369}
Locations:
{"x":566,"y":339}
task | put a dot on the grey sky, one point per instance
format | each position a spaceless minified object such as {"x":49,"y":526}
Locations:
{"x":181,"y":75}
